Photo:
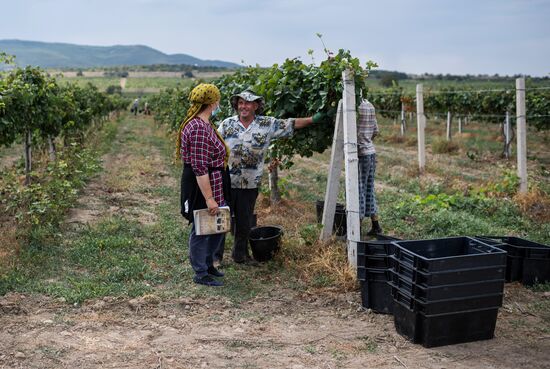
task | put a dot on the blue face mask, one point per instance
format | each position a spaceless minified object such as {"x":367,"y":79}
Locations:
{"x":216,"y":111}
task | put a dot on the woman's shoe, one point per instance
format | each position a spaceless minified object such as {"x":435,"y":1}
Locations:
{"x":207,"y":281}
{"x":215,"y":272}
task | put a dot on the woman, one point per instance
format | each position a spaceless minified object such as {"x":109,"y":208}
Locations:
{"x":205,"y":179}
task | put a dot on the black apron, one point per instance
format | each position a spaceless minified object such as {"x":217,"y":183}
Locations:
{"x":191,"y":193}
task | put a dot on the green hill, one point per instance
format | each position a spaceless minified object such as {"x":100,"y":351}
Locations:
{"x":61,"y":55}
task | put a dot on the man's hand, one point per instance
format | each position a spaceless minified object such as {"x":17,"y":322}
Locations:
{"x":273,"y":164}
{"x":319,"y":117}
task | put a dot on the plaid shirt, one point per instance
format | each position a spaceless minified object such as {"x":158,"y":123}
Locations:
{"x":249,"y":145}
{"x":202,"y":149}
{"x":366,"y":128}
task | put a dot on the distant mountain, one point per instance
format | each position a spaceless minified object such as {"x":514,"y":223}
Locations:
{"x":60,"y":55}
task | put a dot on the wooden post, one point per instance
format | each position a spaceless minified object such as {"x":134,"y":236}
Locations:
{"x":333,"y":182}
{"x":52,"y":151}
{"x":421,"y":125}
{"x":403,"y":120}
{"x":507,"y":136}
{"x":275,"y":195}
{"x":449,"y":126}
{"x":352,"y":167}
{"x":28,"y":157}
{"x":521,"y":135}
{"x":460,"y":125}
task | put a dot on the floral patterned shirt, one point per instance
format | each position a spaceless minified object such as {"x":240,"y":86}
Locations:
{"x":249,"y":145}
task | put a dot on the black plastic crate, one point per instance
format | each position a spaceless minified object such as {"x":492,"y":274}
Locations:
{"x":373,"y":274}
{"x":376,"y":295}
{"x":514,"y":257}
{"x":449,"y":291}
{"x":517,"y":251}
{"x":451,"y":276}
{"x":532,"y":249}
{"x":453,"y":305}
{"x":375,"y":253}
{"x":445,"y":254}
{"x":339,"y":227}
{"x":380,"y":262}
{"x":382,"y":246}
{"x":527,"y":261}
{"x":514,"y":268}
{"x":535,"y":271}
{"x":445,"y":329}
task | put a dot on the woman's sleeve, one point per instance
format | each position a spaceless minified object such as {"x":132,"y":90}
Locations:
{"x":200,"y":150}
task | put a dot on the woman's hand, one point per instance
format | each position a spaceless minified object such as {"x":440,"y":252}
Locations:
{"x":212,"y":206}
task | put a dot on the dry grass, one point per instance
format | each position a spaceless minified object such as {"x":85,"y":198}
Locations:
{"x":444,"y":147}
{"x":330,"y":259}
{"x":411,"y":141}
{"x":394,"y":138}
{"x":131,"y":174}
{"x":9,"y":245}
{"x":465,"y":135}
{"x":535,"y":204}
{"x":318,"y":263}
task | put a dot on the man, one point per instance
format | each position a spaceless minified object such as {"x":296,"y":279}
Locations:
{"x":135,"y":106}
{"x":248,"y":136}
{"x":367,"y":129}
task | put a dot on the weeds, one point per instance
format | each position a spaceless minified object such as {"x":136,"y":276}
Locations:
{"x":444,"y":147}
{"x":119,"y":256}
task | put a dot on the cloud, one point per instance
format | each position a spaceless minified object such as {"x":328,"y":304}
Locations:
{"x":438,"y":36}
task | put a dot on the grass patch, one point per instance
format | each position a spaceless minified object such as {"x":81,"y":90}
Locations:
{"x":121,"y":257}
{"x":444,"y":147}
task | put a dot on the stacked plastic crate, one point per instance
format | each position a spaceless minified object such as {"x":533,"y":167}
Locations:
{"x":448,"y":290}
{"x":374,"y":263}
{"x":527,"y":262}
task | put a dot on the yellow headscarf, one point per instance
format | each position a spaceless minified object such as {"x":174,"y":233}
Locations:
{"x":203,"y":94}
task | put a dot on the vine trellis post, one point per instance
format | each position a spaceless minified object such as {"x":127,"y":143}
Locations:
{"x":403,"y":120}
{"x":449,"y":126}
{"x":507,"y":129}
{"x":421,"y":126}
{"x":344,"y":148}
{"x":521,"y":134}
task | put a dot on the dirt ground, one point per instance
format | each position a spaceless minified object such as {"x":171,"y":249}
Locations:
{"x":285,"y":329}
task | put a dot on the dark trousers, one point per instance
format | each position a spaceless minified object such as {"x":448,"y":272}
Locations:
{"x":242,"y":205}
{"x":201,"y":251}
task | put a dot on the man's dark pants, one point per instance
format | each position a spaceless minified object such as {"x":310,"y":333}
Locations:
{"x":242,"y":205}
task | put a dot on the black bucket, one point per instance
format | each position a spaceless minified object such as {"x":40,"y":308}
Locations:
{"x":340,"y":218}
{"x":265,"y":242}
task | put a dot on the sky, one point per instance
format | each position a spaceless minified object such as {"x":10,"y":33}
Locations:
{"x":504,"y":37}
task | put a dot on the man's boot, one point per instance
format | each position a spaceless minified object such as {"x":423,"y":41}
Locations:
{"x":376,"y":229}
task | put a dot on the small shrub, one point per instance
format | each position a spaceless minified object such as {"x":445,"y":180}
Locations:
{"x":444,"y":147}
{"x":410,"y":141}
{"x":112,"y":89}
{"x":535,"y":204}
{"x":394,"y":138}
